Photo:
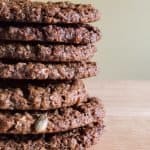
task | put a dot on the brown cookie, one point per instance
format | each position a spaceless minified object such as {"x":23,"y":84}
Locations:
{"x":38,"y":12}
{"x":47,"y":52}
{"x":76,"y":139}
{"x":63,"y":71}
{"x":72,"y":34}
{"x":59,"y":120}
{"x":26,"y":96}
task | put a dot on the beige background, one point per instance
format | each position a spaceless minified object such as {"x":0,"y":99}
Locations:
{"x":124,"y":51}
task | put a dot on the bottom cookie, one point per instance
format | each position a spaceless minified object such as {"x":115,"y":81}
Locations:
{"x":77,"y":139}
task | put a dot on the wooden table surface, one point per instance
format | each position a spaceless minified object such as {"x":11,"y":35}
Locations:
{"x":127,"y":105}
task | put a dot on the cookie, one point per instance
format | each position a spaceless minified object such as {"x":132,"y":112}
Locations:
{"x":76,"y":139}
{"x":46,"y":53}
{"x":15,"y":95}
{"x":59,"y":120}
{"x":72,"y":34}
{"x":63,"y":71}
{"x":38,"y":12}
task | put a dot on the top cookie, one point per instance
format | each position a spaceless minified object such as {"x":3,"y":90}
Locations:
{"x":40,"y":12}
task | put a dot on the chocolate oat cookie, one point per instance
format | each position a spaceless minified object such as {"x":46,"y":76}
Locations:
{"x":77,"y":34}
{"x":38,"y":12}
{"x":77,"y":139}
{"x":15,"y":95}
{"x":63,"y":71}
{"x":59,"y":120}
{"x":47,"y":52}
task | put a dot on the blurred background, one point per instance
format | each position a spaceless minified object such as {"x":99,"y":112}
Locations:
{"x":124,"y":51}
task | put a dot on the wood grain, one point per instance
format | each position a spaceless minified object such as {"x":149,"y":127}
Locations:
{"x":127,"y":105}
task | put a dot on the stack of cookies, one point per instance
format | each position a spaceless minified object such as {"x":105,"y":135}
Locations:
{"x":45,"y":50}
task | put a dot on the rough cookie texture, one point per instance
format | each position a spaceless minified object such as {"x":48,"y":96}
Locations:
{"x":27,"y":96}
{"x":77,"y":34}
{"x":64,"y":71}
{"x":38,"y":12}
{"x":46,"y":53}
{"x":59,"y":120}
{"x":77,"y":139}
